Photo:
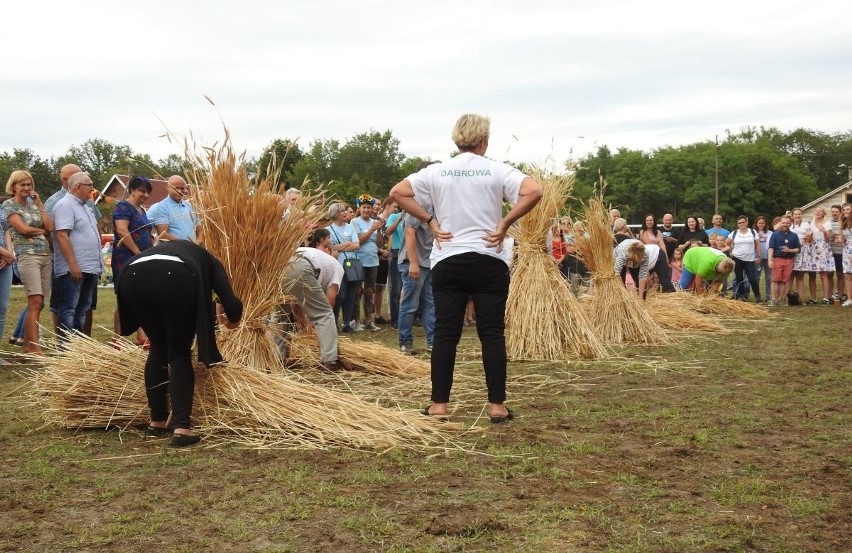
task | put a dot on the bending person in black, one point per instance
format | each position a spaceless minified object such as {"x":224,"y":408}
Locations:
{"x":167,"y":290}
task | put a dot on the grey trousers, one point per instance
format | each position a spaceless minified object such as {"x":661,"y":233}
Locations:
{"x":300,"y":282}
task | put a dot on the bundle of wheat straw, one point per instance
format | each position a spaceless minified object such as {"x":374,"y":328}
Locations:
{"x":356,"y":355}
{"x":715,"y":305}
{"x":674,"y":315}
{"x":617,"y":315}
{"x":93,"y":385}
{"x":243,"y":226}
{"x":544,"y":321}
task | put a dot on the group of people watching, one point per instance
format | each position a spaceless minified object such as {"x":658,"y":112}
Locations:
{"x":55,"y":246}
{"x":437,"y":240}
{"x":695,"y":257}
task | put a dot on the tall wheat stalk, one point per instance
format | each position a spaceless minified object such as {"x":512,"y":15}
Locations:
{"x":544,"y":321}
{"x":242,"y":225}
{"x":617,"y":315}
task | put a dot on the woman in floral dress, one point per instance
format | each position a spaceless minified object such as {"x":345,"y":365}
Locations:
{"x":821,"y":260}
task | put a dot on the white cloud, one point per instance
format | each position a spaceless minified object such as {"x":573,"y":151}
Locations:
{"x":639,"y":75}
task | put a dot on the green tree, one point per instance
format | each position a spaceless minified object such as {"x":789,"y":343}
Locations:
{"x":45,"y":172}
{"x":825,"y":156}
{"x":280,"y":156}
{"x":101,"y":159}
{"x":172,"y":164}
{"x":369,"y":163}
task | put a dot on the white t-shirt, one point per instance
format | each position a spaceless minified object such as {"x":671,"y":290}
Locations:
{"x":817,"y":234}
{"x":330,"y":271}
{"x":743,"y":245}
{"x":653,"y":252}
{"x":800,"y":231}
{"x":467,"y":194}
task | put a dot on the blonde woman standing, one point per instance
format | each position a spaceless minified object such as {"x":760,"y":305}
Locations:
{"x":821,"y":260}
{"x":30,"y":226}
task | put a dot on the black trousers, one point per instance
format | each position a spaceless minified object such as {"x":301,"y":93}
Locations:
{"x":664,"y":273}
{"x":485,"y":279}
{"x":163,"y":297}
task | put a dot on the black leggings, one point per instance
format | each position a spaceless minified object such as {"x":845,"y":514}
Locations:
{"x":163,"y":296}
{"x":485,"y":279}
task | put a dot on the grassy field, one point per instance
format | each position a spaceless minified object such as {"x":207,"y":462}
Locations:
{"x":732,"y":442}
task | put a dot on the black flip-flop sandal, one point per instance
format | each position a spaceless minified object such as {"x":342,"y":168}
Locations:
{"x":425,"y":412}
{"x":497,"y":419}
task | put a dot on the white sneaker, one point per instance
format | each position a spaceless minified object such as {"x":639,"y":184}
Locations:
{"x":847,"y":303}
{"x":372,"y":327}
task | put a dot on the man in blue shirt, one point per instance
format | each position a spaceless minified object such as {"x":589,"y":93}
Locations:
{"x":77,"y":260}
{"x":174,"y":217}
{"x":50,"y":205}
{"x":784,"y":244}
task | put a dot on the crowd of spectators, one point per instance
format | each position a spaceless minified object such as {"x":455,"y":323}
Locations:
{"x":820,"y":249}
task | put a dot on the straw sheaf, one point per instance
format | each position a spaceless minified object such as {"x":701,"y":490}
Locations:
{"x":616,"y":314}
{"x":243,"y":226}
{"x":544,"y":321}
{"x":93,"y":385}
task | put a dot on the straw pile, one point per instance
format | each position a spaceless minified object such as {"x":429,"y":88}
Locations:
{"x":713,"y":305}
{"x":355,"y":355}
{"x":673,"y":314}
{"x":544,"y":321}
{"x":617,"y":315}
{"x":243,"y":227}
{"x":93,"y":385}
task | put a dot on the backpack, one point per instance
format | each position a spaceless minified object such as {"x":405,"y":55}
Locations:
{"x":793,"y":298}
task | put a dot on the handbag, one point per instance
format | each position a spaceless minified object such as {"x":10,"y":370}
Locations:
{"x":353,"y":270}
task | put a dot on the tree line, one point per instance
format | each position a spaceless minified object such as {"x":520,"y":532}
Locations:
{"x":761,"y":171}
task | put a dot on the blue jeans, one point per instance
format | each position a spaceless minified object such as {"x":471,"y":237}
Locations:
{"x":346,"y":301}
{"x":395,"y":285}
{"x":5,"y":290}
{"x":74,"y":298}
{"x":411,"y":301}
{"x":19,"y":327}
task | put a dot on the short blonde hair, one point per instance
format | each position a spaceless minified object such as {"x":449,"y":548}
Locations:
{"x":16,"y":177}
{"x":619,"y":224}
{"x":727,"y":265}
{"x":470,"y":130}
{"x":636,"y":251}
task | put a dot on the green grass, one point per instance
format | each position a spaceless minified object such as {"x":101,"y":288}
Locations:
{"x":739,"y":443}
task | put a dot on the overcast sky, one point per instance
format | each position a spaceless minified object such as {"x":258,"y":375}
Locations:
{"x":554,"y":76}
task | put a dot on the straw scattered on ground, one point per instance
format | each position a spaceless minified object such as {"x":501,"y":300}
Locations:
{"x":711,"y":304}
{"x":357,"y":355}
{"x":672,"y":314}
{"x":93,"y":385}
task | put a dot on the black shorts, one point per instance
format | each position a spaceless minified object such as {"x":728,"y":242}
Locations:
{"x":382,"y":275}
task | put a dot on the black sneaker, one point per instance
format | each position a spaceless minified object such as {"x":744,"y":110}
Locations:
{"x":407,"y":349}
